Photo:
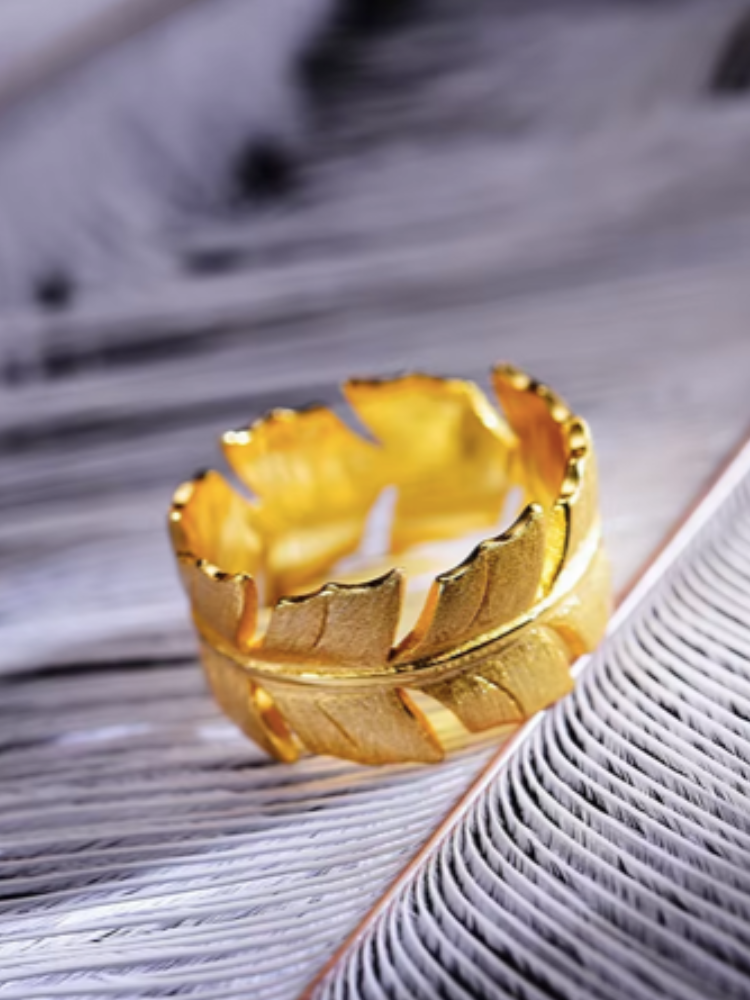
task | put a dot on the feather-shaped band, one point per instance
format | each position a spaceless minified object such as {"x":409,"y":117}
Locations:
{"x":493,"y":640}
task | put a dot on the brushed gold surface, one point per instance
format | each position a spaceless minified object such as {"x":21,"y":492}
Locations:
{"x":495,"y":584}
{"x":443,"y":446}
{"x":497,"y":633}
{"x":316,"y":481}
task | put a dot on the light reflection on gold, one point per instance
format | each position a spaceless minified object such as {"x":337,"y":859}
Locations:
{"x":490,"y":640}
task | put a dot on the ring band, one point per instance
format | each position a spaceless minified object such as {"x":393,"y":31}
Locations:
{"x":490,"y":640}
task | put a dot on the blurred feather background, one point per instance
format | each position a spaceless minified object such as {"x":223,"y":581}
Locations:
{"x":211,"y":207}
{"x":144,"y":142}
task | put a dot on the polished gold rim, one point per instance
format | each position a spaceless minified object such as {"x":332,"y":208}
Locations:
{"x":494,"y":636}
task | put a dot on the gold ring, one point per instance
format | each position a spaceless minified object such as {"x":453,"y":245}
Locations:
{"x":362,"y":668}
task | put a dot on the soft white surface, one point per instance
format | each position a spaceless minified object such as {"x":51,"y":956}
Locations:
{"x":30,"y":28}
{"x":149,"y":847}
{"x":560,"y":123}
{"x":95,"y":169}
